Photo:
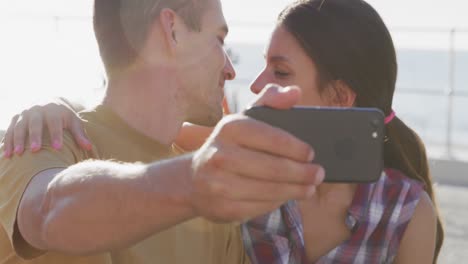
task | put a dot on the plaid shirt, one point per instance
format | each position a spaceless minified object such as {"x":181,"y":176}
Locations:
{"x":377,"y":219}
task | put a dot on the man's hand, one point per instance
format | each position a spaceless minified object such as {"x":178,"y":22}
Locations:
{"x":248,"y":168}
{"x":56,"y":116}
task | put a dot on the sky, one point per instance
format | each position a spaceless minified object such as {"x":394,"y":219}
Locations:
{"x":397,"y":13}
{"x":417,"y":13}
{"x":39,"y":57}
{"x":414,"y":13}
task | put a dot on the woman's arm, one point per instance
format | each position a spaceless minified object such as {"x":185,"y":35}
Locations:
{"x":62,"y":114}
{"x":191,"y":137}
{"x":419,"y":240}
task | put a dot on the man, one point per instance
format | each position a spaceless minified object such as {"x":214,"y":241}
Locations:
{"x":165,"y":65}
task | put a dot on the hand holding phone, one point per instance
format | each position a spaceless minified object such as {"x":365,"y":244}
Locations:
{"x":348,"y":142}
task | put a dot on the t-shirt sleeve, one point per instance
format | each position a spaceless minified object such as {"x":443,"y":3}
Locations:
{"x":236,"y":252}
{"x":15,"y":175}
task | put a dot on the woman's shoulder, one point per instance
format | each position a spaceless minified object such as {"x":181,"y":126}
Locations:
{"x":398,"y":189}
{"x":385,"y":209}
{"x":395,"y":194}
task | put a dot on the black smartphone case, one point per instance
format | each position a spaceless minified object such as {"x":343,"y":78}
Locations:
{"x":348,"y":142}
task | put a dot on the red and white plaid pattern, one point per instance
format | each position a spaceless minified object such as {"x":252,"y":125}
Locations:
{"x":377,"y":218}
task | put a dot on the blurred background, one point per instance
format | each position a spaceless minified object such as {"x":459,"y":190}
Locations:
{"x":47,"y":49}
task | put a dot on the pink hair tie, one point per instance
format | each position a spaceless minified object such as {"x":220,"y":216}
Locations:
{"x":390,"y":117}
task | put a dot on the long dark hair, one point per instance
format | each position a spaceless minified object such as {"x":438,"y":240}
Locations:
{"x":348,"y":41}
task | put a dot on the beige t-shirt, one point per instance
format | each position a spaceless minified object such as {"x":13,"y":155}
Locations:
{"x":195,"y":241}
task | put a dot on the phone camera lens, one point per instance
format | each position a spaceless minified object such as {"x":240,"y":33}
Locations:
{"x":375,"y":123}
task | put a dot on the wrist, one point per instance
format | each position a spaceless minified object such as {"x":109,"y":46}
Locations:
{"x":173,"y":184}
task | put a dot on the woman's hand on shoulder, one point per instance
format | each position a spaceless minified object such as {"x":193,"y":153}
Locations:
{"x":55,"y":116}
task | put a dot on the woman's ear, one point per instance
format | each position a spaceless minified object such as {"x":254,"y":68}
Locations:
{"x":341,"y":95}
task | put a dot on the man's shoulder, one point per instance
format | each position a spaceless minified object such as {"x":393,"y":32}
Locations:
{"x":100,"y":120}
{"x":90,"y":116}
{"x":113,"y":138}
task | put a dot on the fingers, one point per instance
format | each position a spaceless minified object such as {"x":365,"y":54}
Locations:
{"x":260,"y":166}
{"x":35,"y":127}
{"x":19,"y":134}
{"x":237,"y":188}
{"x":8,"y":138}
{"x":259,"y":136}
{"x":278,"y":97}
{"x":55,"y":124}
{"x":217,"y":201}
{"x":77,"y":130}
{"x":62,"y":116}
{"x":31,"y":123}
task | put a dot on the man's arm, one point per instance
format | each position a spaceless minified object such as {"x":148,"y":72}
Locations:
{"x":418,"y":243}
{"x":98,"y":206}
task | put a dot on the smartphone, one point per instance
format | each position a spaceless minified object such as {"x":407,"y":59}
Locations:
{"x":348,"y":142}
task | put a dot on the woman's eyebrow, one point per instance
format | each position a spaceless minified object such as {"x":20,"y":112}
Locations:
{"x":276,"y":58}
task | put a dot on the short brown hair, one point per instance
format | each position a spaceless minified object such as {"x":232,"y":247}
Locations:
{"x":121,"y":26}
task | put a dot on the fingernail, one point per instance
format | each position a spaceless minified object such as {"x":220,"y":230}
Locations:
{"x":311,"y":156}
{"x":311,"y":191}
{"x":6,"y":154}
{"x":285,"y":89}
{"x":19,"y":149}
{"x":290,"y":88}
{"x":34,"y":146}
{"x":56,"y":145}
{"x":320,"y":176}
{"x":87,"y":144}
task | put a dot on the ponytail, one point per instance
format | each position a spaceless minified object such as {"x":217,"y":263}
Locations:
{"x":405,"y":151}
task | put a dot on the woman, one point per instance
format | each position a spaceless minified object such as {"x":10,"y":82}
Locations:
{"x":341,"y":54}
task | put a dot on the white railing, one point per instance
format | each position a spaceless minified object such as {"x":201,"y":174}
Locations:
{"x":454,"y":144}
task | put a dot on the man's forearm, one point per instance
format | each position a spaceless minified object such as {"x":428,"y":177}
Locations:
{"x":98,"y":206}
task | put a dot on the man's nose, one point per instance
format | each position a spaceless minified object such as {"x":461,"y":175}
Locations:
{"x":229,"y":71}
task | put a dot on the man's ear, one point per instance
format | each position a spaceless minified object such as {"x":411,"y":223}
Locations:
{"x":341,"y":94}
{"x":168,"y":20}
